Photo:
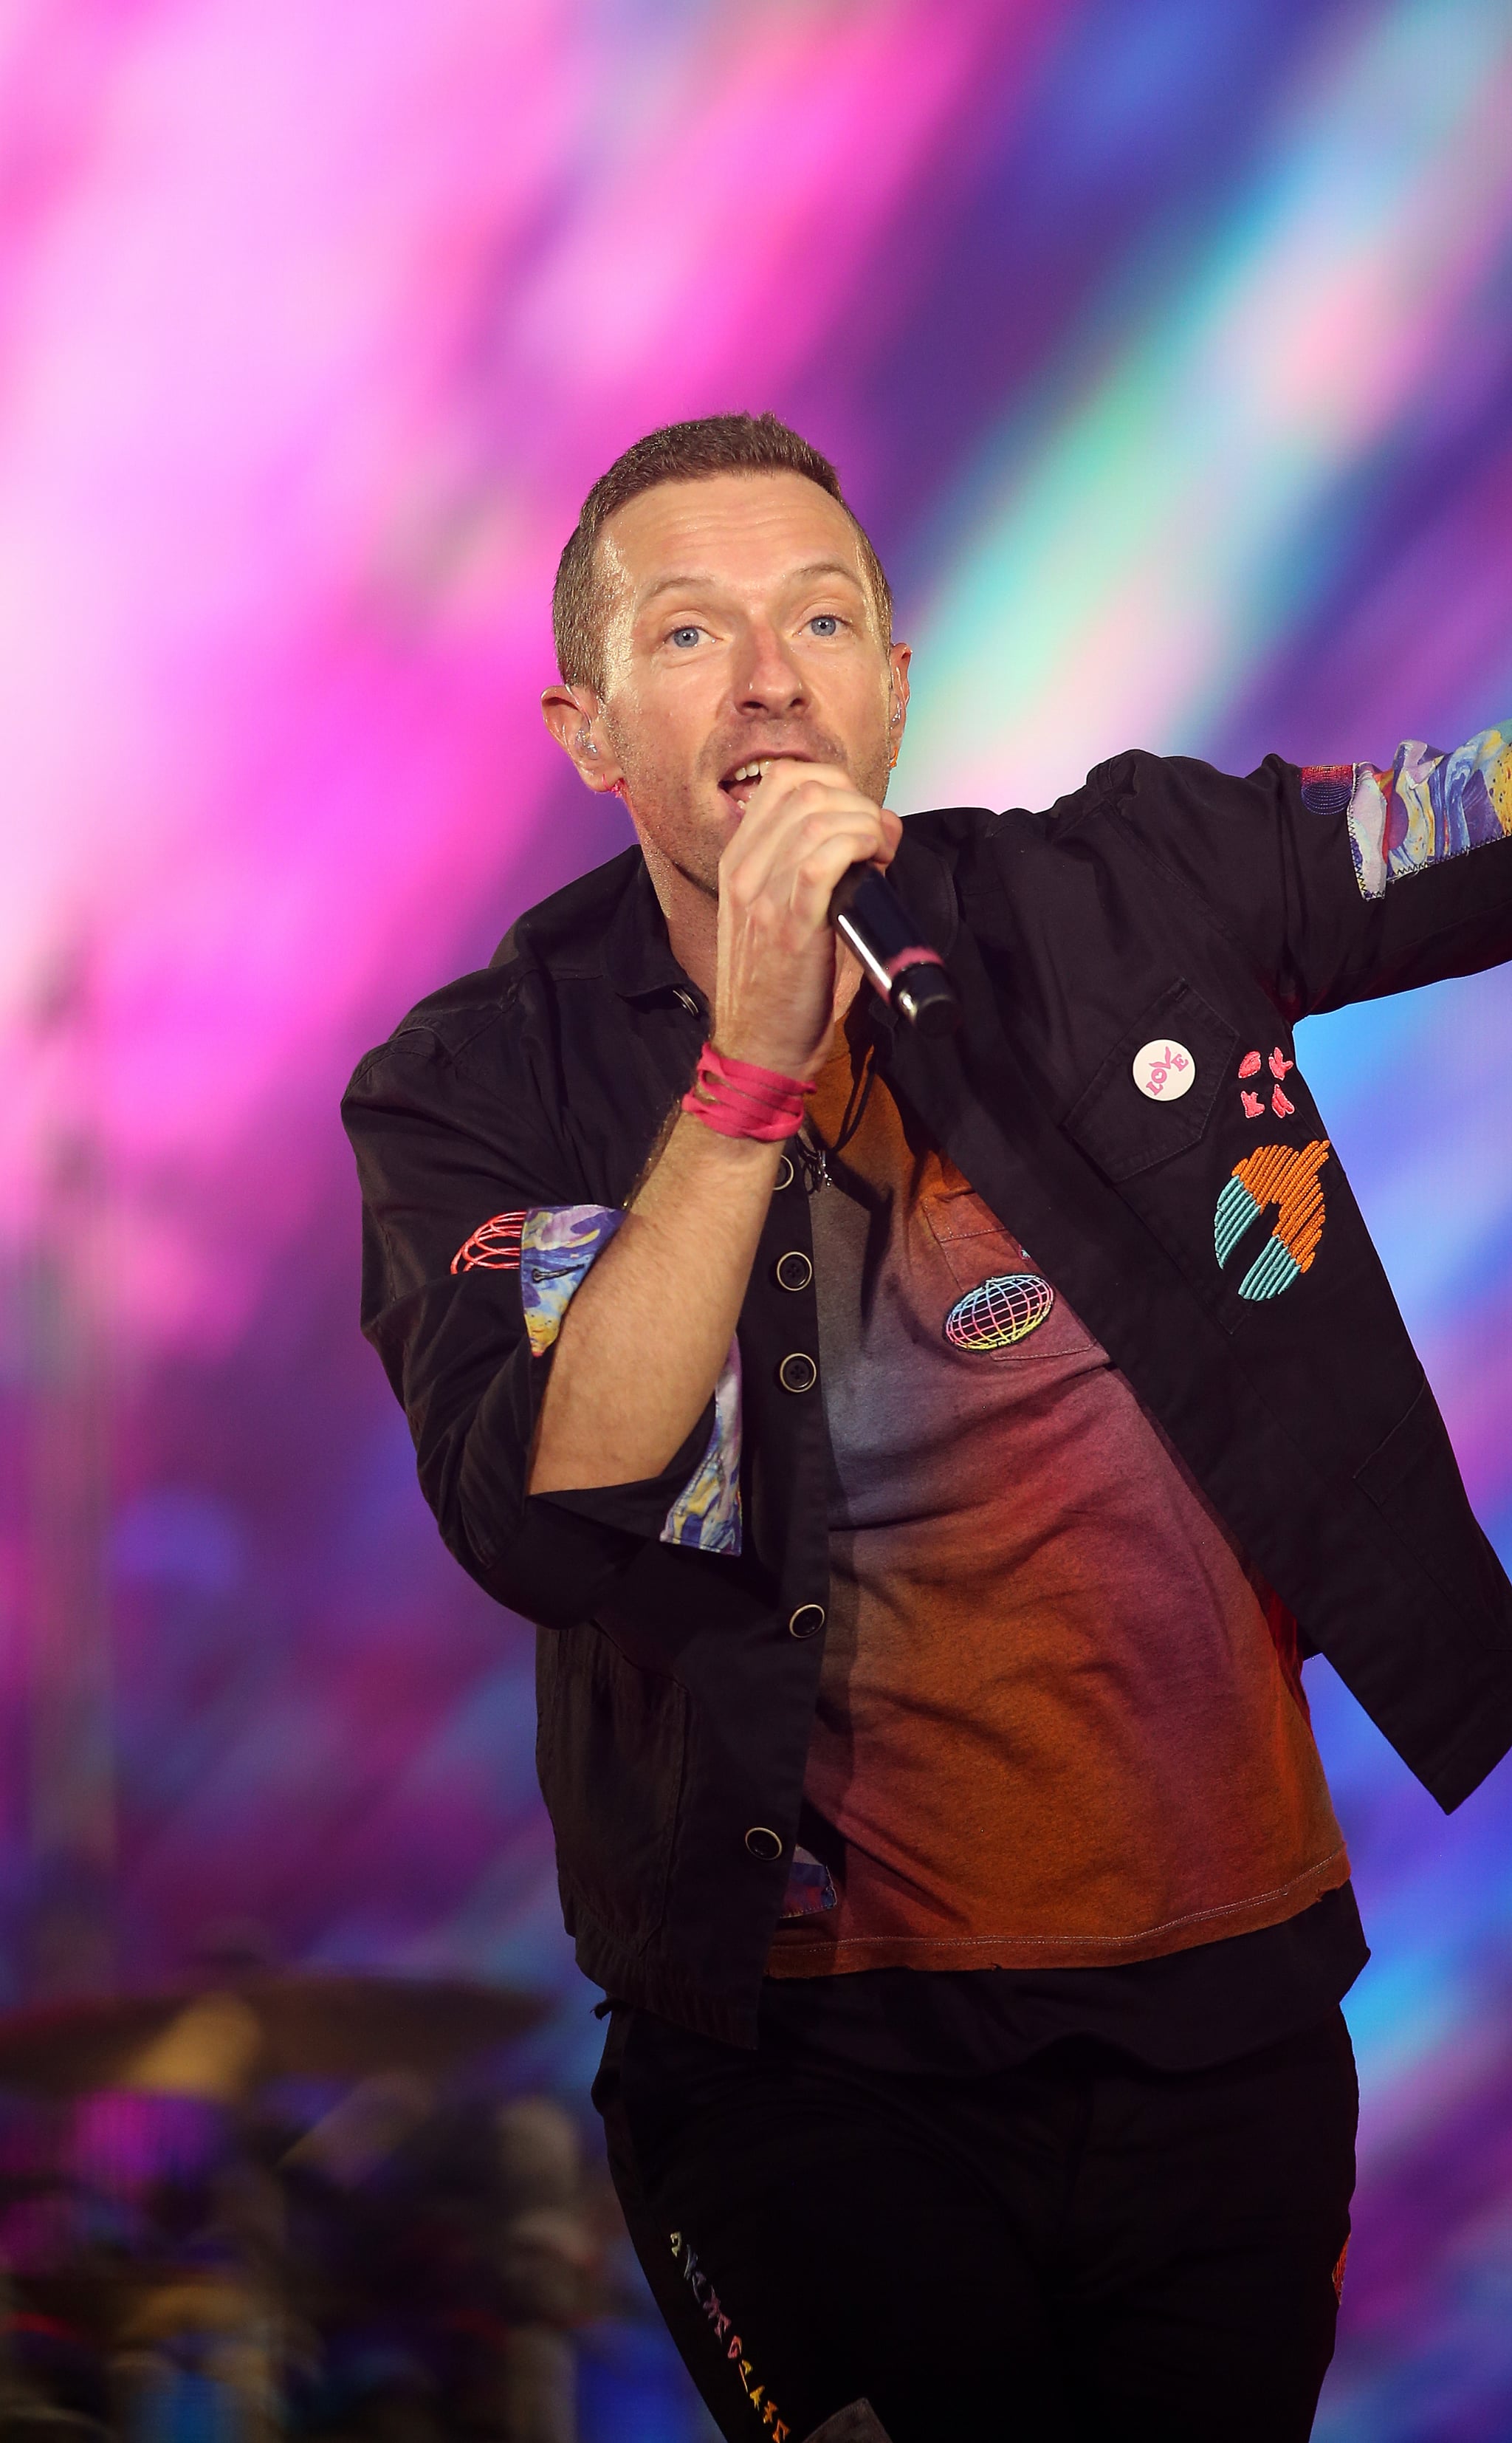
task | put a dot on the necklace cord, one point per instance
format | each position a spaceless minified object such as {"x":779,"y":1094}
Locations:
{"x":814,"y":1152}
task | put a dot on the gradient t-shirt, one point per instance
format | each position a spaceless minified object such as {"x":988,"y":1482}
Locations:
{"x":1059,"y":1720}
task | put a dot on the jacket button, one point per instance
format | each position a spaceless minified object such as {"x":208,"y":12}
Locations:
{"x":798,"y":1372}
{"x":807,"y":1621}
{"x":794,"y":1270}
{"x":763,"y":1843}
{"x":786,"y":1174}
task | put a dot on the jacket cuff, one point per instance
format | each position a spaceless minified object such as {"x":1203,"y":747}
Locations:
{"x":571,"y":1546}
{"x":640,"y":1510}
{"x":695,"y":1498}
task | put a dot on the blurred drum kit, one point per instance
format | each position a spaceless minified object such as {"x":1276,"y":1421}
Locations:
{"x":293,"y":2205}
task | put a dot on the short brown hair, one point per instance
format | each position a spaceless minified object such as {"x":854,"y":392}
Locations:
{"x":680,"y":453}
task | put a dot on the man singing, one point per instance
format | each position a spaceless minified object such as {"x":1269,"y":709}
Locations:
{"x":928,"y":1462}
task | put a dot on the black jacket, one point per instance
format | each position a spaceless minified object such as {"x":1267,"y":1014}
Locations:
{"x":1163,"y":901}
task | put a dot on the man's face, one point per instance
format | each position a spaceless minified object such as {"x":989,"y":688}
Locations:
{"x":741,"y":629}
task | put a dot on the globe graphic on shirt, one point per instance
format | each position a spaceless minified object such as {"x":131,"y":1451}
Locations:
{"x":1003,"y":1311}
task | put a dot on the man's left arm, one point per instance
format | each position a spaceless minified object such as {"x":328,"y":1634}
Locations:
{"x":1342,"y":882}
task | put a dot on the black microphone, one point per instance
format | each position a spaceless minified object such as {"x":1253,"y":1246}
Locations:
{"x":867,"y":912}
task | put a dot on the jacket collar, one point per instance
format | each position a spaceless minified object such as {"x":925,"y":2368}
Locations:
{"x":635,"y":954}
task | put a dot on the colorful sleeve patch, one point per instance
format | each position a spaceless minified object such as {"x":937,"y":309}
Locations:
{"x":706,"y":1513}
{"x":557,"y":1244}
{"x":810,"y":1886}
{"x":1426,"y":807}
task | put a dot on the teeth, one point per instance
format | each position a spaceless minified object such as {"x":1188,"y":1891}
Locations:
{"x":752,"y":771}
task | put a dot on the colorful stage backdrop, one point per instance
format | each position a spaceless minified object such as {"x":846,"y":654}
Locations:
{"x":1166,"y":349}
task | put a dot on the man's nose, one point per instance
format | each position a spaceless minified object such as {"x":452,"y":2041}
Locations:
{"x":768,"y":679}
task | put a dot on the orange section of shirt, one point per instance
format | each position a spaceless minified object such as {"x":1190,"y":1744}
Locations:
{"x":1055,"y":1727}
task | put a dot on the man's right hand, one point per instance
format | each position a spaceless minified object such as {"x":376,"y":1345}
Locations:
{"x":626,"y":1390}
{"x":803,"y":828}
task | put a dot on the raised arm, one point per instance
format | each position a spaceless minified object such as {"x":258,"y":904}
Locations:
{"x":1341,"y":881}
{"x":543,"y":1345}
{"x":643,"y":1343}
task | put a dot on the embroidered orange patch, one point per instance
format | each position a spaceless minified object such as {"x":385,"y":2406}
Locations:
{"x":1286,"y":1177}
{"x":1283,"y":1176}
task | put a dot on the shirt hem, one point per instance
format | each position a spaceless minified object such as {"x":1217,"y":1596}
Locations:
{"x":849,"y":1954}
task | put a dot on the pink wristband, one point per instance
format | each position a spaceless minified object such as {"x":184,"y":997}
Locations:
{"x":734,"y":1098}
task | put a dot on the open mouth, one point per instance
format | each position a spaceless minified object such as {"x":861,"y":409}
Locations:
{"x":742,"y":781}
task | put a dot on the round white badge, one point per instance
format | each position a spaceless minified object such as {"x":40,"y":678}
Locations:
{"x":1164,"y":1070}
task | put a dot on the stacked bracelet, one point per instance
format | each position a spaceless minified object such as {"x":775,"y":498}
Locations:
{"x":734,"y":1098}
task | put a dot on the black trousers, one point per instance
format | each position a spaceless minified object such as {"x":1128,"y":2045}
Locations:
{"x":1079,"y":2247}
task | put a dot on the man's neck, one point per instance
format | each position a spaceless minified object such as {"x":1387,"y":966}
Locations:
{"x":692,"y":917}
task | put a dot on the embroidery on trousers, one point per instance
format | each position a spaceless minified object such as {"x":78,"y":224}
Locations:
{"x":1285,"y":1177}
{"x":708,"y":2303}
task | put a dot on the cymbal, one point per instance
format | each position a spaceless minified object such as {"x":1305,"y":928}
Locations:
{"x":222,"y":2043}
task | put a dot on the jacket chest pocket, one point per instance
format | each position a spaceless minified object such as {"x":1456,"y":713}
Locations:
{"x":1160,"y":1148}
{"x":1127,"y":1130}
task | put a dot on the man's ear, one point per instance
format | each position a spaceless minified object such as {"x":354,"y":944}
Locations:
{"x":575,"y":719}
{"x":898,"y":657}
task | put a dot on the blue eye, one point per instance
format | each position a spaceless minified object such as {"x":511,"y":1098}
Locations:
{"x":826,"y":624}
{"x":684,"y":636}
